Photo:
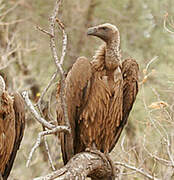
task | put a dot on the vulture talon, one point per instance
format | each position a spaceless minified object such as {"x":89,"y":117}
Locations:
{"x":106,"y":158}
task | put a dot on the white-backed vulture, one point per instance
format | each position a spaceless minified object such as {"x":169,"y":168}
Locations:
{"x":12,"y":123}
{"x":99,"y":96}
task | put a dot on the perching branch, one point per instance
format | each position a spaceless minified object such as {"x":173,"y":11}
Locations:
{"x":86,"y":164}
{"x":80,"y":166}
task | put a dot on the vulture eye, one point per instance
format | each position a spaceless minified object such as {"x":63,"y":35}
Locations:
{"x":104,"y":28}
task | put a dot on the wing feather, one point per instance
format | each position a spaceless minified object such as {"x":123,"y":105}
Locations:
{"x":19,"y":108}
{"x":130,"y":71}
{"x":76,"y":92}
{"x":7,"y":129}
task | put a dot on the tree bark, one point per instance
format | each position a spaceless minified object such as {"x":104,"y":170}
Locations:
{"x":82,"y":165}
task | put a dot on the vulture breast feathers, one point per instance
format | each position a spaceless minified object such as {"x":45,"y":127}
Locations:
{"x":99,"y":96}
{"x":12,"y":122}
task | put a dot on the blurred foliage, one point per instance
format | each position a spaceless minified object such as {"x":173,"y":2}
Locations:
{"x":142,"y":37}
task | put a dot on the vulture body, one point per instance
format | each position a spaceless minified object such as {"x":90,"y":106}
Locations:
{"x":99,"y":96}
{"x":12,"y":123}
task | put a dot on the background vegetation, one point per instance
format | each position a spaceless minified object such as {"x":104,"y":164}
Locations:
{"x":26,"y":63}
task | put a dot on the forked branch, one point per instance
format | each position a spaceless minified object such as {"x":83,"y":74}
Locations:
{"x":38,"y":116}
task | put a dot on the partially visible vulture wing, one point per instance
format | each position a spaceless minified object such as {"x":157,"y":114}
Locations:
{"x":7,"y":130}
{"x":12,"y":120}
{"x":130,"y":71}
{"x":19,"y":109}
{"x":76,"y":91}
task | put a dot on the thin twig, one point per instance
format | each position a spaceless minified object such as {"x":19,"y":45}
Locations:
{"x":44,"y":133}
{"x":64,"y":42}
{"x":5,"y":56}
{"x":43,"y":30}
{"x":48,"y":153}
{"x":150,"y":62}
{"x":167,"y":139}
{"x":141,"y":171}
{"x":161,"y":160}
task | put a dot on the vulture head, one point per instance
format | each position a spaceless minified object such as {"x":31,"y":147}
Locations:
{"x":107,"y":32}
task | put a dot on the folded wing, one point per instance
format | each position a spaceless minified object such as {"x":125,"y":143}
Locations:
{"x":76,"y":92}
{"x":130,"y":71}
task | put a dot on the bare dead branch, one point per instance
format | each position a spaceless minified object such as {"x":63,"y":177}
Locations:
{"x":58,"y":63}
{"x":44,"y":133}
{"x":80,"y":166}
{"x":64,"y":43}
{"x":56,"y":59}
{"x":48,"y":153}
{"x":45,"y":124}
{"x":85,"y":163}
{"x":35,"y":113}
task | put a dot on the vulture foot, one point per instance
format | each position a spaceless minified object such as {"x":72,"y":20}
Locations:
{"x":106,"y":158}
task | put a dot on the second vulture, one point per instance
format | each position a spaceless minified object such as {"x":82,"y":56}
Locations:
{"x":12,"y":123}
{"x":99,"y":96}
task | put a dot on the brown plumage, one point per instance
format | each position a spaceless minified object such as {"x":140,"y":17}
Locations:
{"x":99,"y":96}
{"x":12,"y":123}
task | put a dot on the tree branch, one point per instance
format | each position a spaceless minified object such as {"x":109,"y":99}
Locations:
{"x":35,"y":113}
{"x":80,"y":166}
{"x":56,"y":59}
{"x":44,"y":133}
{"x":52,"y":128}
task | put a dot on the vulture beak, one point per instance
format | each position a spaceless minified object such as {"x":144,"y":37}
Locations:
{"x":92,"y":31}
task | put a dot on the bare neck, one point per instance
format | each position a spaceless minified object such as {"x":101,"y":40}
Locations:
{"x":113,"y":55}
